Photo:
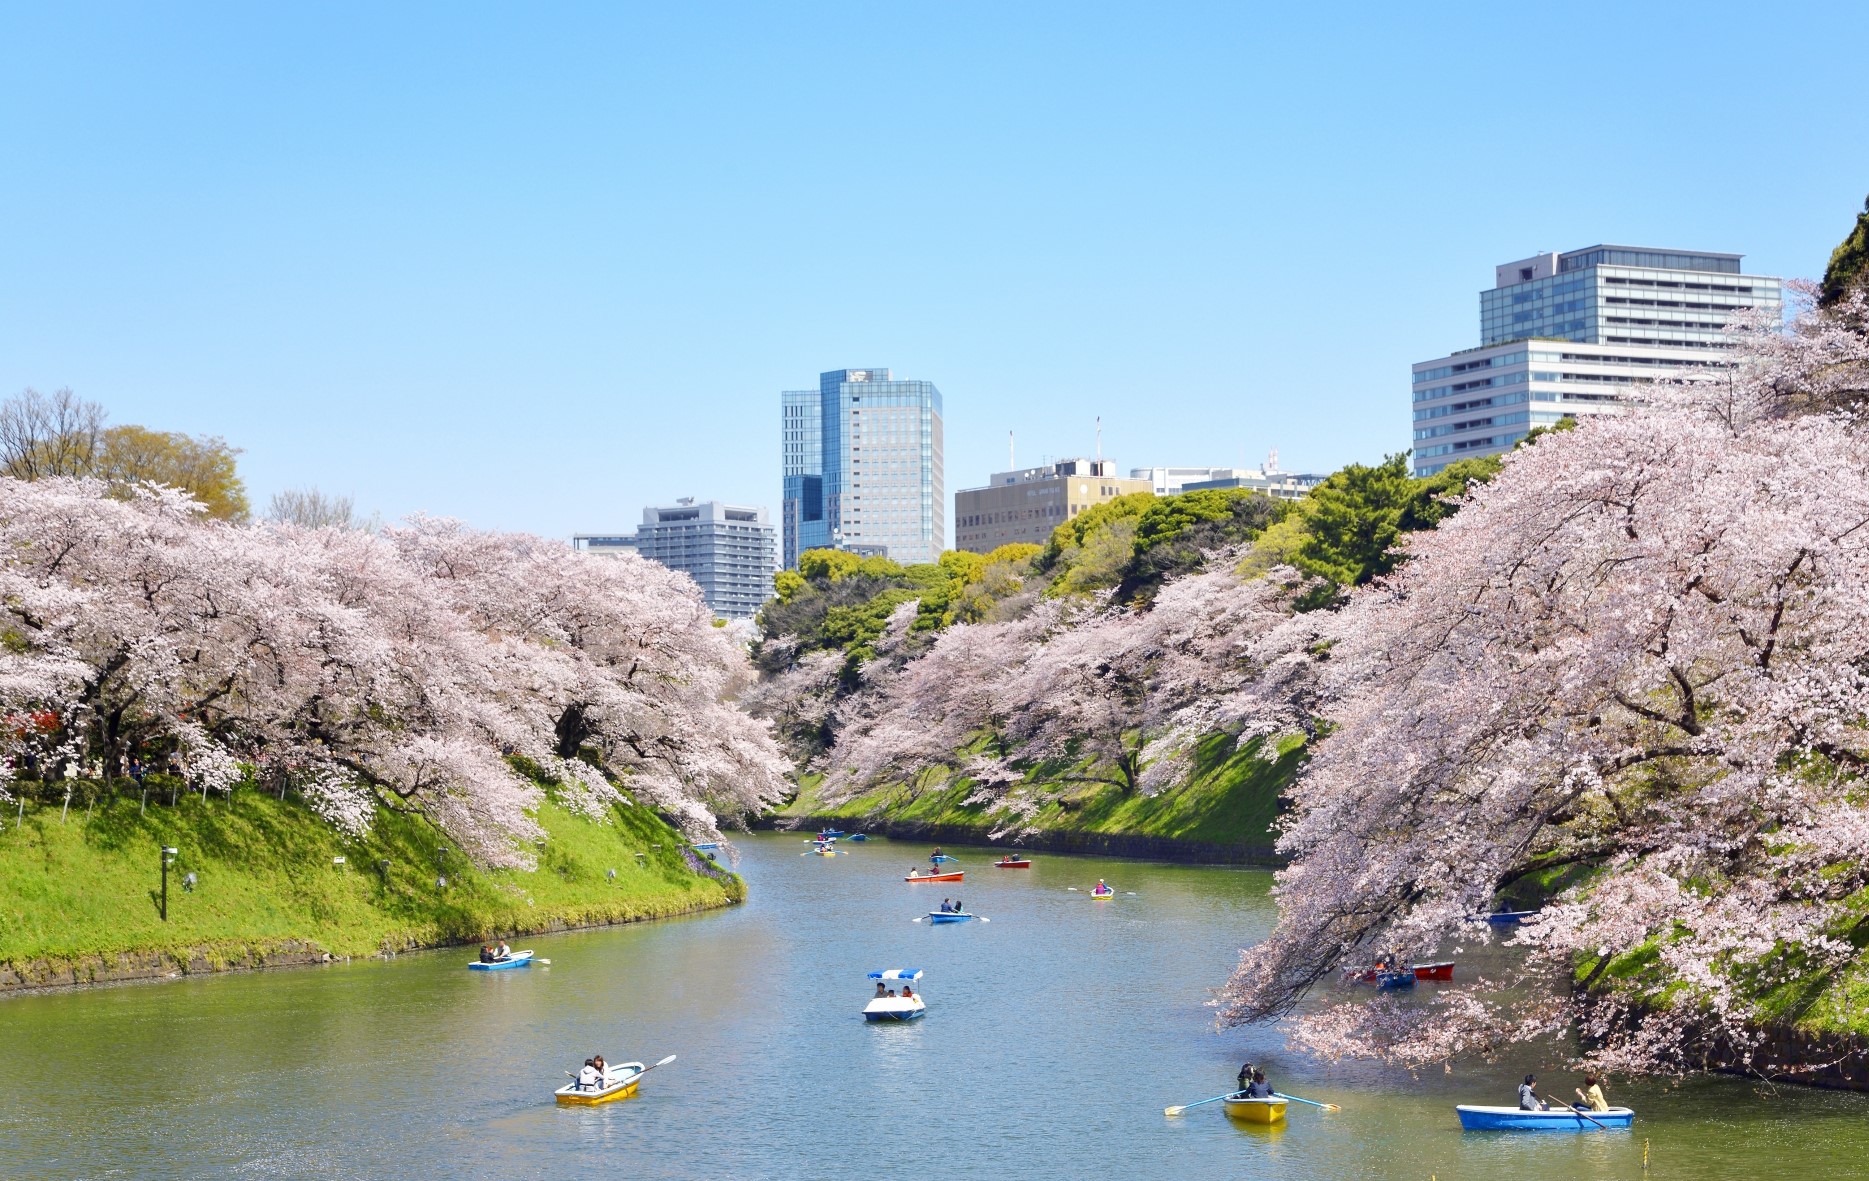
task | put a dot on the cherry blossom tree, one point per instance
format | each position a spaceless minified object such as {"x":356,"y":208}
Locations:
{"x":403,"y":669}
{"x":1638,"y":658}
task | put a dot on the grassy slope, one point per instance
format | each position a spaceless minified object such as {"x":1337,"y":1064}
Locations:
{"x":1231,"y":799}
{"x":266,"y":878}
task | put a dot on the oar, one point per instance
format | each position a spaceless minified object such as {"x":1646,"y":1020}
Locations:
{"x":1312,"y":1102}
{"x":1577,"y":1111}
{"x":1185,"y":1106}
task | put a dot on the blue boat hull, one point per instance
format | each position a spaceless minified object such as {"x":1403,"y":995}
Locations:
{"x":518,"y":961}
{"x":936,"y":916}
{"x":897,"y":1018}
{"x":1511,"y":1119}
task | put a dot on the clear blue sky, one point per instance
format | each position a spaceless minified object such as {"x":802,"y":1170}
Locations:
{"x":537,"y":265}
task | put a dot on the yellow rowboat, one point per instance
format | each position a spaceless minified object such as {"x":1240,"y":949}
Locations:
{"x":1254,"y":1111}
{"x":621,"y":1087}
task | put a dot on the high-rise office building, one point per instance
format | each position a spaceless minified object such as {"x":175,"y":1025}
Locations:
{"x":1026,"y":505}
{"x":1578,"y":333}
{"x":725,"y":548}
{"x":862,"y":466}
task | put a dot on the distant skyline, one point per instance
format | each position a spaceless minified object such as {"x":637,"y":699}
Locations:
{"x":538,"y":268}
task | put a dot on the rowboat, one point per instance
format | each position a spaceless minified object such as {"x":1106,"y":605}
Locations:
{"x":1254,"y":1111}
{"x":518,"y":959}
{"x":822,"y":852}
{"x":1558,"y":1119}
{"x":895,"y":1008}
{"x":938,"y":858}
{"x":1443,"y":971}
{"x":1509,"y":918}
{"x":948,"y":916}
{"x":858,"y":837}
{"x":1400,"y":978}
{"x":829,"y":834}
{"x":955,"y":876}
{"x":620,"y":1087}
{"x":1102,"y":894}
{"x":1026,"y":864}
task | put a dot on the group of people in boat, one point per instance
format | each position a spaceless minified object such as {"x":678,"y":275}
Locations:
{"x":1590,"y":1095}
{"x":883,"y":992}
{"x":493,"y":953}
{"x":1252,"y":1084}
{"x":953,"y":907}
{"x":596,"y":1074}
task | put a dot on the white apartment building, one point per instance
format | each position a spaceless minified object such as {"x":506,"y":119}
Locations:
{"x":727,"y":550}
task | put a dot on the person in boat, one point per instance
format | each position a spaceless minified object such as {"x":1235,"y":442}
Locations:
{"x":604,"y":1077}
{"x":502,"y":952}
{"x":958,"y":908}
{"x":1258,"y":1088}
{"x":915,"y":871}
{"x":1528,"y":1095}
{"x":936,"y":855}
{"x":486,"y":953}
{"x":880,"y":990}
{"x":1592,"y":1094}
{"x":1245,"y":1077}
{"x":907,"y":991}
{"x":1102,"y":888}
{"x":589,"y":1079}
{"x":946,"y":906}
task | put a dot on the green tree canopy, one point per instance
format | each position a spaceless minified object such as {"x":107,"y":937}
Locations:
{"x":1849,"y":262}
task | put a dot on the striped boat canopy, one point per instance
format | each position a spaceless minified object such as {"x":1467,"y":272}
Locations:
{"x":897,"y":974}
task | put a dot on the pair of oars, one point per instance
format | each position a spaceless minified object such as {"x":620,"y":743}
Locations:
{"x":1230,"y":1094}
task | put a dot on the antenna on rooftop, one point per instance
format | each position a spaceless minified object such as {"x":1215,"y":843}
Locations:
{"x":1099,"y":438}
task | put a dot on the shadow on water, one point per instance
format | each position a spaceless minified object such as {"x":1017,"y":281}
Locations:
{"x":1056,"y":1035}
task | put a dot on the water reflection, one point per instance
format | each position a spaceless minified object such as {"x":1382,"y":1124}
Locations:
{"x":1055,"y":1036}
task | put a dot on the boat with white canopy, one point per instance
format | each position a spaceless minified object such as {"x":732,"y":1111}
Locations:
{"x":896,"y":998}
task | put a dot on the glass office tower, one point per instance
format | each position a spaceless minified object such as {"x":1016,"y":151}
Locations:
{"x":864,"y":473}
{"x":1578,"y":333}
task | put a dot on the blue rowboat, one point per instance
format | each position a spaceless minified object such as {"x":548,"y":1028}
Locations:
{"x":948,"y":916}
{"x":519,"y":959}
{"x":1558,"y":1119}
{"x":938,"y":858}
{"x":1508,"y":918}
{"x":859,"y":837}
{"x":1401,"y":979}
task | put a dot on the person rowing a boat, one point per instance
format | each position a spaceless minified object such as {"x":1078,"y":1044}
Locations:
{"x":502,"y":952}
{"x":1258,"y":1088}
{"x":935,"y":856}
{"x":590,"y":1078}
{"x":1592,"y":1094}
{"x":1528,"y":1095}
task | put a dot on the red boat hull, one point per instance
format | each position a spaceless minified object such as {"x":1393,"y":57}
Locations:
{"x":1012,"y":865}
{"x":938,"y":877}
{"x":1434,"y":971}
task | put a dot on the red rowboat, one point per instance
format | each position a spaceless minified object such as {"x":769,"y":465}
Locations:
{"x":1012,"y":864}
{"x":1435,"y":971}
{"x":956,"y":876}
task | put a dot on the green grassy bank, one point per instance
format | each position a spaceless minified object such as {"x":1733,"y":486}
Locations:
{"x":78,"y":894}
{"x":1224,"y":812}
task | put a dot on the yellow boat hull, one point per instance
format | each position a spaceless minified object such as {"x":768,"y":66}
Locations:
{"x":593,"y":1098}
{"x":1255,"y":1111}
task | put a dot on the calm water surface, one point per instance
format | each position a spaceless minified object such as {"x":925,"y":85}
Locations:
{"x":1056,"y":1034}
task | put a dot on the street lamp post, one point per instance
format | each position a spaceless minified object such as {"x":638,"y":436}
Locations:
{"x":168,"y":852}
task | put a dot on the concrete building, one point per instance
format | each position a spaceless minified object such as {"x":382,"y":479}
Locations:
{"x":862,"y":467}
{"x":1027,"y":504}
{"x":1578,"y":333}
{"x":726,"y":549}
{"x":1278,"y":485}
